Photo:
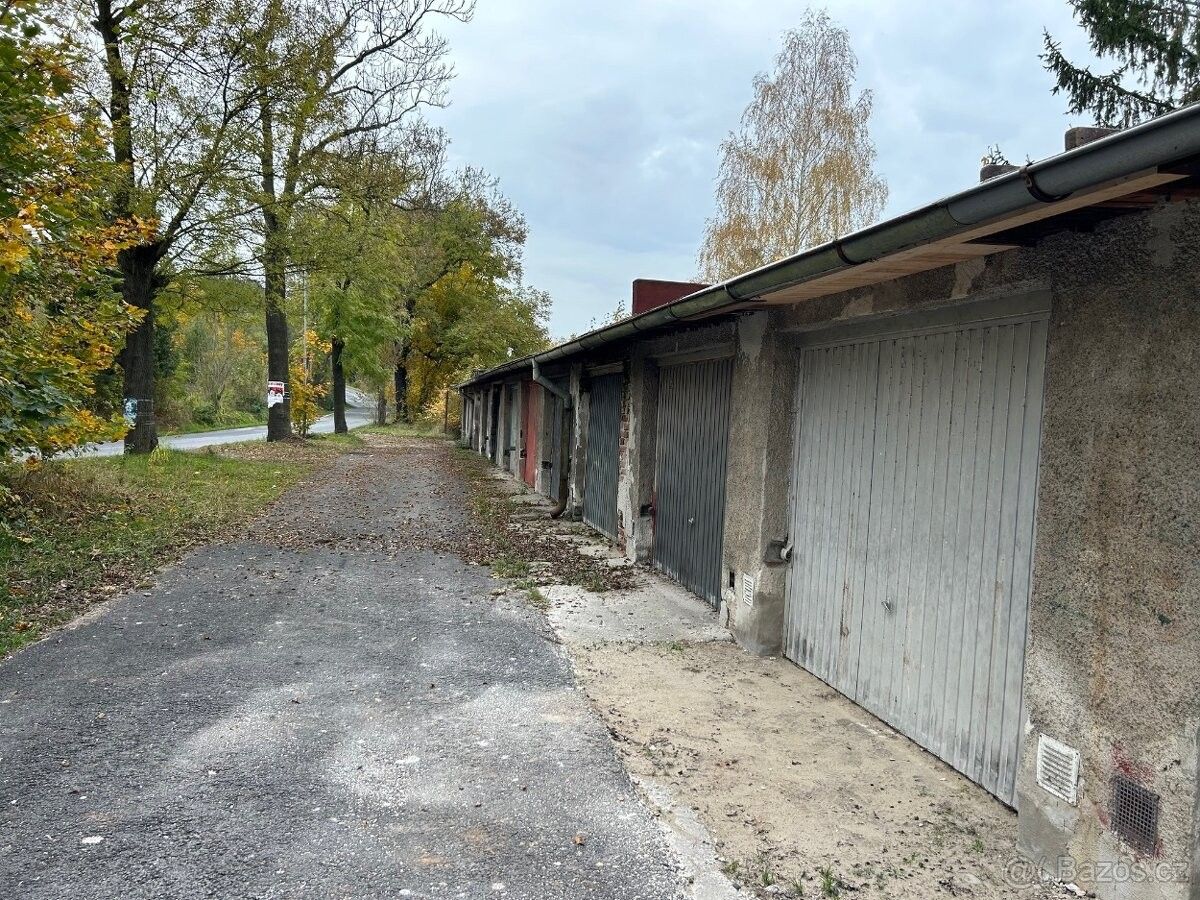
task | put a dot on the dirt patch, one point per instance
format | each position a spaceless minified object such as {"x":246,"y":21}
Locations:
{"x":803,"y":792}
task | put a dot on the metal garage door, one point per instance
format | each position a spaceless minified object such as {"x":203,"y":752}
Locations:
{"x":604,"y":424}
{"x":914,"y":486}
{"x":531,"y":426}
{"x":552,"y":439}
{"x":512,"y":429}
{"x":689,"y":480}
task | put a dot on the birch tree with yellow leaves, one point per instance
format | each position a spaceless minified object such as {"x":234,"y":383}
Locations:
{"x":799,"y":170}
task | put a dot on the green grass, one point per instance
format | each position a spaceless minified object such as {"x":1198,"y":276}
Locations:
{"x":416,"y":429}
{"x":830,"y":884}
{"x":76,"y":531}
{"x":508,"y":565}
{"x":227,"y":419}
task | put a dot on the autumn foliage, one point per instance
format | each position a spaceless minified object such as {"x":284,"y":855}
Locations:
{"x":62,"y":320}
{"x":305,"y":395}
{"x":799,"y":171}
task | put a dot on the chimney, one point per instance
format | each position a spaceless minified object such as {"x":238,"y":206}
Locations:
{"x":1077,"y":137}
{"x":651,"y":293}
{"x":995,"y":170}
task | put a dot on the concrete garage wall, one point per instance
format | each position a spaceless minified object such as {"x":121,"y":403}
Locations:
{"x":1113,"y":659}
{"x":635,"y":484}
{"x":1114,"y":651}
{"x":756,"y":512}
{"x":580,"y":412}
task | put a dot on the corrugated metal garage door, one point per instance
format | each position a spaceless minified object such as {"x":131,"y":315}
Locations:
{"x":604,"y":424}
{"x":689,"y":481}
{"x":552,"y":440}
{"x":914,"y":489}
{"x":510,"y":451}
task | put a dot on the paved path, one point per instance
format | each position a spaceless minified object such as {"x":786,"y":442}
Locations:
{"x":356,"y":417}
{"x":331,"y":707}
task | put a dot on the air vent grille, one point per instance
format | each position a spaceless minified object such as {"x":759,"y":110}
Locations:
{"x":1134,"y":815}
{"x":748,"y":587}
{"x":1058,"y":768}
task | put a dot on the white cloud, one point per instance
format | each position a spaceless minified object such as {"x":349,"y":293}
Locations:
{"x":602,"y":121}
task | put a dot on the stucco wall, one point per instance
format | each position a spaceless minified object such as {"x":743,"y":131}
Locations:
{"x":1113,"y":664}
{"x":756,"y":487}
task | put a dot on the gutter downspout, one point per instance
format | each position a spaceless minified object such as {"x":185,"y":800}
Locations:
{"x":564,"y":440}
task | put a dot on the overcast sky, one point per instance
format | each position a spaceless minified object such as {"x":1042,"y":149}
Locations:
{"x":602,"y":120}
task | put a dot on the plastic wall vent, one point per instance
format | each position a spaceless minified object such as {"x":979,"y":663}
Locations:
{"x":1058,"y":769}
{"x":748,"y":587}
{"x":1134,"y":815}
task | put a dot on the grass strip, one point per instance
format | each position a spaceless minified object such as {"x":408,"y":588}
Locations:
{"x":76,"y":531}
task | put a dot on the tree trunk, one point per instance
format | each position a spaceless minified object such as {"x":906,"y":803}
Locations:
{"x":339,"y":386}
{"x":275,"y":259}
{"x":381,"y":408}
{"x":139,"y":280}
{"x":139,"y":284}
{"x":401,"y":385}
{"x":279,"y":418}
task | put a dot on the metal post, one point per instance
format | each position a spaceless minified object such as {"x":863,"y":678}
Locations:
{"x":304,"y":331}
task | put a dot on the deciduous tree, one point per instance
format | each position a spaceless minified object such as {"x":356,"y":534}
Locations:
{"x":466,"y":227}
{"x":172,"y":81}
{"x":1156,"y":47}
{"x":61,"y":318}
{"x":332,"y":72}
{"x":352,"y":250}
{"x":799,"y":171}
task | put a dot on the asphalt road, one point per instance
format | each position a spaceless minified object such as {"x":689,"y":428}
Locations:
{"x":356,"y":417}
{"x":331,"y":706}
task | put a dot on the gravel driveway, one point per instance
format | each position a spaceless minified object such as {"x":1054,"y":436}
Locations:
{"x":332,"y":706}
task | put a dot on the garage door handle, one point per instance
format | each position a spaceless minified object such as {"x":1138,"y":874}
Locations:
{"x":886,"y":604}
{"x":691,"y":520}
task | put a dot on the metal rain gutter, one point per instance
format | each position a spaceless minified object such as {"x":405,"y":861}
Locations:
{"x":1167,"y":139}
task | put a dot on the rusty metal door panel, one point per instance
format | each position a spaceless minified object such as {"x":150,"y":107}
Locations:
{"x":914,"y":489}
{"x":531,"y":406}
{"x":603,"y":448}
{"x":691,"y":453}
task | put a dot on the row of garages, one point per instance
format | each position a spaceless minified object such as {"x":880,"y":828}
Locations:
{"x":529,"y":429}
{"x":955,"y":480}
{"x":910,"y":526}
